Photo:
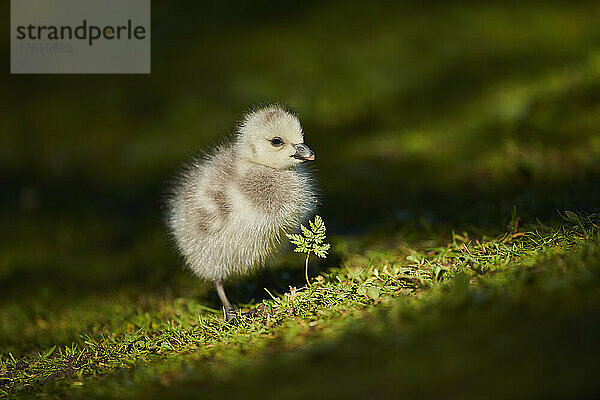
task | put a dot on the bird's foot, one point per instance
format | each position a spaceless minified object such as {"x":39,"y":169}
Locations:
{"x":251,"y":313}
{"x":232,"y":313}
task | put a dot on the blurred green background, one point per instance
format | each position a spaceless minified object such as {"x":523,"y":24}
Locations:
{"x":425,"y":117}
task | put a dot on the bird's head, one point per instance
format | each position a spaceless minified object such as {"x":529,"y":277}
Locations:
{"x":273,"y":137}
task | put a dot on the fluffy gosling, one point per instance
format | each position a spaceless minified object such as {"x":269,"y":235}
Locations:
{"x":228,"y":212}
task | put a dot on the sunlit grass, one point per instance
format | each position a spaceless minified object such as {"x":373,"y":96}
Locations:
{"x":149,"y":331}
{"x":451,"y":140}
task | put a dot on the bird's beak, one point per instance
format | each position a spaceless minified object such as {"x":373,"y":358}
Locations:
{"x":303,"y":152}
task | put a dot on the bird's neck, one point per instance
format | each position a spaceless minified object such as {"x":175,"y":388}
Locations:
{"x":245,"y":166}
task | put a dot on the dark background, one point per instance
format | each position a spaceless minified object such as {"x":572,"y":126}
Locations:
{"x":426,"y":117}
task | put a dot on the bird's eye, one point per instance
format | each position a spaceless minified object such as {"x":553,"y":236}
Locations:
{"x":276,"y":141}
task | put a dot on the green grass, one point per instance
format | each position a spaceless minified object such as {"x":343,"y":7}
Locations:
{"x":459,"y":157}
{"x":362,"y":299}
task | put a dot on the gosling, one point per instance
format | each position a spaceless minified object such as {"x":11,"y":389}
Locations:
{"x":228,"y":211}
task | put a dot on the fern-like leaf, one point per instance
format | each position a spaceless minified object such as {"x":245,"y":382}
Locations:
{"x":321,"y":251}
{"x":311,"y":241}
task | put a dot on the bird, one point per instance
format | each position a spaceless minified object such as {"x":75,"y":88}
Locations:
{"x":229,"y":210}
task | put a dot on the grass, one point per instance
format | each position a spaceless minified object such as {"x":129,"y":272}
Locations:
{"x":458,"y":153}
{"x":183,"y":334}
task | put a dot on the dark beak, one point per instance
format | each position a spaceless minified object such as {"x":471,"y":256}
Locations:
{"x":303,"y":152}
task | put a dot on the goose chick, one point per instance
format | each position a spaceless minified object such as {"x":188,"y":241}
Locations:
{"x":228,"y":212}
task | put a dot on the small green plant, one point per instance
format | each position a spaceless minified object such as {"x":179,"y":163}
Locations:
{"x":311,"y":241}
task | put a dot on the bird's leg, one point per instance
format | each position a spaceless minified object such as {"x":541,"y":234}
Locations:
{"x":229,"y":310}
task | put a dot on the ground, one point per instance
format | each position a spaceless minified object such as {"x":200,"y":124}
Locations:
{"x":458,"y":152}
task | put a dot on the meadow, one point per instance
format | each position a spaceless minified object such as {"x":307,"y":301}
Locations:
{"x":458,"y":153}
